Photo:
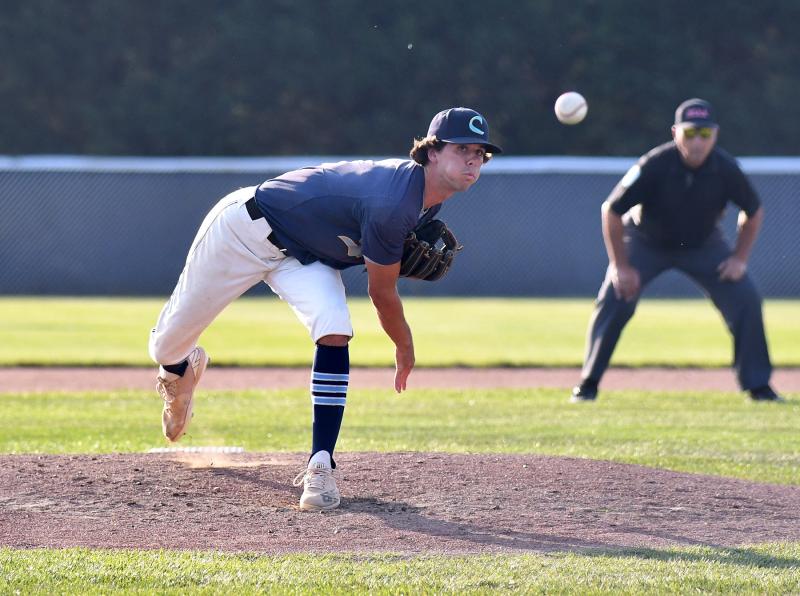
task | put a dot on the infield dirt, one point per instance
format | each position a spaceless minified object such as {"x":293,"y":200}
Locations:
{"x":216,"y":378}
{"x":392,"y":502}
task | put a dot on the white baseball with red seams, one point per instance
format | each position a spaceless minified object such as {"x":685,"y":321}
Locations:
{"x":571,"y":107}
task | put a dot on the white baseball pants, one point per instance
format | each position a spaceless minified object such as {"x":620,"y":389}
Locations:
{"x":229,"y":255}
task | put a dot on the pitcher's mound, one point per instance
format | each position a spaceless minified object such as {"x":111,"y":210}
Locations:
{"x":398,"y":502}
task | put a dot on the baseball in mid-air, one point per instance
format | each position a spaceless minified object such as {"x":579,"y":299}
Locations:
{"x":571,"y":107}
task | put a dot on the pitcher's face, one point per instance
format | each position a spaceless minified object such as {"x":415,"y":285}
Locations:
{"x":458,"y":166}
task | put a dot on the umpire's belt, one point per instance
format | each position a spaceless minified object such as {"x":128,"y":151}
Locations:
{"x":255,"y":213}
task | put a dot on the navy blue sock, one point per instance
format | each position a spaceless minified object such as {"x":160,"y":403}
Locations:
{"x":177,"y":369}
{"x":329,"y":379}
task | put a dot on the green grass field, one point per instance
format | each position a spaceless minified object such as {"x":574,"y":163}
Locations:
{"x":767,"y":569}
{"x":714,"y":433}
{"x":472,"y":332}
{"x":707,"y":432}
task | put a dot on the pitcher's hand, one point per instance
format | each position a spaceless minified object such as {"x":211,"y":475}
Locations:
{"x":404,"y":362}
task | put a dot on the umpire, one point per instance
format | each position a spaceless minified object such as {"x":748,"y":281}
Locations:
{"x":672,"y":201}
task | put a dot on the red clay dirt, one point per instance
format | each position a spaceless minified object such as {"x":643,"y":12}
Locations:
{"x":215,"y":378}
{"x":391,"y":502}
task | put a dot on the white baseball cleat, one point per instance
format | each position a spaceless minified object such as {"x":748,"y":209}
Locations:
{"x":319,"y":487}
{"x":178,"y":393}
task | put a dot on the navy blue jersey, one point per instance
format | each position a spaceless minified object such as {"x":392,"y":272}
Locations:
{"x":680,"y":206}
{"x":340,"y":213}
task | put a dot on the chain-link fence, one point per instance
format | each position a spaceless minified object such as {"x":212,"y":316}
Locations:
{"x":530,"y":226}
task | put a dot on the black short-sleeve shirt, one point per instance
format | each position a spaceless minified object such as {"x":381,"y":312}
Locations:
{"x":681,"y":207}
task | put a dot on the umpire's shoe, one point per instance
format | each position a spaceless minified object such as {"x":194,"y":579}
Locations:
{"x":586,"y":391}
{"x":177,"y":394}
{"x":765,"y":393}
{"x":319,"y":487}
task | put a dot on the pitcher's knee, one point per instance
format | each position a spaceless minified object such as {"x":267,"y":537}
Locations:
{"x":334,"y":322}
{"x":334,"y":340}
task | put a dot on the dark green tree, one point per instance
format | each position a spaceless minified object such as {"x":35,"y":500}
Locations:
{"x":247,"y":77}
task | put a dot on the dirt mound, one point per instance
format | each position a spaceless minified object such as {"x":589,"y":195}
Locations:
{"x":399,"y":502}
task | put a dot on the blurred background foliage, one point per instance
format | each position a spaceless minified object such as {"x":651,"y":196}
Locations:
{"x":346,"y":77}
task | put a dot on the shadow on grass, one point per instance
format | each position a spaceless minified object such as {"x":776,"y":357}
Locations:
{"x":741,"y":556}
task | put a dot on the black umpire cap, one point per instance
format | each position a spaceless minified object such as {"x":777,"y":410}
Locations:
{"x":695,"y":111}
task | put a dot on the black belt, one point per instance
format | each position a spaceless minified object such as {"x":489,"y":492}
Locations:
{"x":255,"y":213}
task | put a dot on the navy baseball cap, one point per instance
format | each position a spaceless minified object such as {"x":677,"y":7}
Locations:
{"x":462,"y":125}
{"x":697,"y":112}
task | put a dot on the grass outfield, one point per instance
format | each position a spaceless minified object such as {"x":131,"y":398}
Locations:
{"x":472,"y":332}
{"x":765,"y":569}
{"x":704,"y":432}
{"x":713,"y":433}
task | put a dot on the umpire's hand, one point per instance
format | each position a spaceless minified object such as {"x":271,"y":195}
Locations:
{"x":626,"y":282}
{"x":732,"y":269}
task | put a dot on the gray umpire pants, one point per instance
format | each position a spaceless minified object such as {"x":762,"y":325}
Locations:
{"x":739,"y":303}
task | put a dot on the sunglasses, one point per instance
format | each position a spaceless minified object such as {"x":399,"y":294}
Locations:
{"x":704,"y":132}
